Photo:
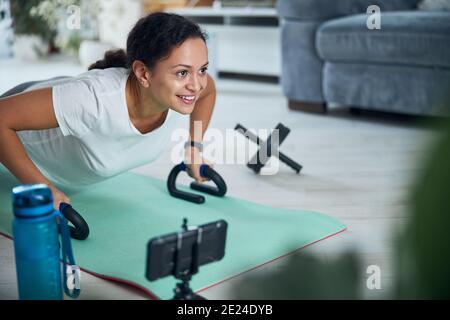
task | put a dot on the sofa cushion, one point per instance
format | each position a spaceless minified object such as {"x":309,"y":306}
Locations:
{"x":320,"y":10}
{"x":402,"y":89}
{"x":409,"y":37}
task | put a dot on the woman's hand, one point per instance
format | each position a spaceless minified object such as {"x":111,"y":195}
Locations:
{"x":58,"y":197}
{"x":193,"y":161}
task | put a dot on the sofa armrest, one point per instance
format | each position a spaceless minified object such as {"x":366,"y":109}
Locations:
{"x":321,"y":10}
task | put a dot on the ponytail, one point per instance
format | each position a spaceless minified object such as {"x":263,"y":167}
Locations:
{"x":113,"y":59}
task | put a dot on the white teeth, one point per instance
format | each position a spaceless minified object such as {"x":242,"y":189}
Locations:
{"x":188,"y":97}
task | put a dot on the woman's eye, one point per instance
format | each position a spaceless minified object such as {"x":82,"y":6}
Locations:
{"x":184,"y":73}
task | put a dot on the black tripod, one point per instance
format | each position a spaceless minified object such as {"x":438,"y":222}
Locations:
{"x":183,"y":291}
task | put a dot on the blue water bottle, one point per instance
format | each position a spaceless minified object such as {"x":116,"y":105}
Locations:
{"x":36,"y":244}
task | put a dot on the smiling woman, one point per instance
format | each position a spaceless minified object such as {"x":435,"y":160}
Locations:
{"x":115,"y":117}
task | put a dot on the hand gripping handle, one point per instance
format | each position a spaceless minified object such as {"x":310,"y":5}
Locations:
{"x":205,"y":171}
{"x":219,"y":190}
{"x":80,"y":229}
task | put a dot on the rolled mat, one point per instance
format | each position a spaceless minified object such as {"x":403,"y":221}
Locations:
{"x":125,"y":212}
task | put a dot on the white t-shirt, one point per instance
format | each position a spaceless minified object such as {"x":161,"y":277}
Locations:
{"x":95,"y":139}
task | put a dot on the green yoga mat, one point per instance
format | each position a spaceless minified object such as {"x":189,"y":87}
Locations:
{"x":125,"y":212}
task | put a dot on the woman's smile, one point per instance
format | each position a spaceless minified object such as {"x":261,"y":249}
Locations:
{"x":189,"y":100}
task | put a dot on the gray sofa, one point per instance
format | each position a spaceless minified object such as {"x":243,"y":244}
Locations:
{"x":329,"y":56}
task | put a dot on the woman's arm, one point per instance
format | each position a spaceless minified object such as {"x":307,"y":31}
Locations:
{"x":202,"y":114}
{"x":27,"y":111}
{"x":203,"y":111}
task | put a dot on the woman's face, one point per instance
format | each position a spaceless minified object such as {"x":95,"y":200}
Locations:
{"x":177,"y":81}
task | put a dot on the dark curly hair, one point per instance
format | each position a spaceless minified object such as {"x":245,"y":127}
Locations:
{"x":152,"y":39}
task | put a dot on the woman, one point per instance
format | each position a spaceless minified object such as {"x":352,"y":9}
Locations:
{"x":115,"y":117}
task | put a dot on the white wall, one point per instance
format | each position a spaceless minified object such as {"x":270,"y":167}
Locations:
{"x":116,"y":19}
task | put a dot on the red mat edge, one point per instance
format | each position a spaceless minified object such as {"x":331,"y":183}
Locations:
{"x":155,"y":297}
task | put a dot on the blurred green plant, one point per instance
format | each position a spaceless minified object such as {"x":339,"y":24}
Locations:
{"x":306,"y":277}
{"x":52,"y":10}
{"x":24,"y":23}
{"x":58,"y":13}
{"x":423,"y":267}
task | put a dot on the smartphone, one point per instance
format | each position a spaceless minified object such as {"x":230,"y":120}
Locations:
{"x":164,"y":252}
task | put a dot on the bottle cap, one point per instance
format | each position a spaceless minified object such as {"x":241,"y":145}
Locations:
{"x":32,"y":200}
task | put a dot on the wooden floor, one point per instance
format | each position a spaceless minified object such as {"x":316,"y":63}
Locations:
{"x":358,"y":169}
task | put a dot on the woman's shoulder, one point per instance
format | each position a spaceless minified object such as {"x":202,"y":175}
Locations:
{"x":84,"y":102}
{"x":105,"y":81}
{"x":97,"y":81}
